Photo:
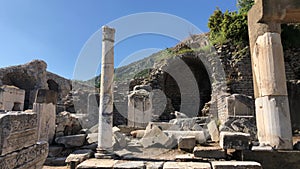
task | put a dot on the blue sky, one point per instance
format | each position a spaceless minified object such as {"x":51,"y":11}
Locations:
{"x":57,"y":30}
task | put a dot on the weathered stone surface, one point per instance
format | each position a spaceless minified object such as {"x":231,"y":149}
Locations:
{"x":239,"y":105}
{"x":190,"y":165}
{"x":129,"y":164}
{"x":30,"y":157}
{"x":96,"y":163}
{"x":79,"y":156}
{"x":187,"y":143}
{"x":55,"y":150}
{"x":199,"y":135}
{"x":273,"y":122}
{"x":154,"y":165}
{"x":92,"y":110}
{"x":46,"y":115}
{"x":137,"y":133}
{"x":209,"y":152}
{"x":11,"y":98}
{"x":71,"y":141}
{"x":55,"y":161}
{"x":238,"y":141}
{"x":17,"y":130}
{"x":165,"y":126}
{"x":155,"y":137}
{"x":139,"y":108}
{"x":235,"y":165}
{"x":119,"y":141}
{"x":244,"y":124}
{"x":213,"y":131}
{"x":92,"y":138}
{"x":46,"y":96}
{"x":274,"y":159}
{"x":67,"y":124}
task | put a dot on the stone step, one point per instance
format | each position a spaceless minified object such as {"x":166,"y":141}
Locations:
{"x":209,"y":152}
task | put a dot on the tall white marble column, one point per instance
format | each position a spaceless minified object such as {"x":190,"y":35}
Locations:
{"x":106,"y":91}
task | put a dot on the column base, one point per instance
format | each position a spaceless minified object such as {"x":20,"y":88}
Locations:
{"x":104,"y":154}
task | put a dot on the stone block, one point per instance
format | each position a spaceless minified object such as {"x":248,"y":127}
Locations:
{"x":92,"y":138}
{"x":187,"y":143}
{"x":97,"y":164}
{"x":138,"y":133}
{"x":29,"y":157}
{"x":239,"y":105}
{"x":71,"y":141}
{"x":155,"y":137}
{"x":234,"y":140}
{"x":46,"y":96}
{"x":199,"y":135}
{"x":119,"y":140}
{"x":17,"y":130}
{"x":190,"y":165}
{"x":130,"y":165}
{"x":273,"y":122}
{"x":209,"y":152}
{"x":154,"y":165}
{"x":213,"y":131}
{"x":78,"y":156}
{"x":55,"y":150}
{"x":55,"y":161}
{"x":46,"y":114}
{"x":235,"y":165}
{"x":11,"y":98}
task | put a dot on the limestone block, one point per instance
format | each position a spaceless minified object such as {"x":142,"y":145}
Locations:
{"x":235,"y":165}
{"x":46,"y":114}
{"x":96,"y":163}
{"x":29,"y":157}
{"x":213,"y":131}
{"x":17,"y":130}
{"x":129,"y":164}
{"x":199,"y":135}
{"x":187,"y":143}
{"x":154,"y":165}
{"x":155,"y":137}
{"x":11,"y":98}
{"x":190,"y":165}
{"x":209,"y":152}
{"x":71,"y":141}
{"x":234,"y":140}
{"x":268,"y":65}
{"x":239,"y":105}
{"x":273,"y":122}
{"x":79,"y":156}
{"x":92,"y":138}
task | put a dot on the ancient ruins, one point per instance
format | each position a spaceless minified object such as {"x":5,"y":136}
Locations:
{"x":226,"y":116}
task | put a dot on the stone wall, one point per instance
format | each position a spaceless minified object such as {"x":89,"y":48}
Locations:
{"x":19,"y":146}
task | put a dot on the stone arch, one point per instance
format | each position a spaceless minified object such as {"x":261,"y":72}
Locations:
{"x":52,"y":85}
{"x":22,"y":80}
{"x":209,"y":74}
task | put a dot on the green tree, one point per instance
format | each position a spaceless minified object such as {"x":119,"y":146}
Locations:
{"x":244,"y":6}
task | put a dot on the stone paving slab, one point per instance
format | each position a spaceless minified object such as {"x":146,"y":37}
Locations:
{"x":97,"y":164}
{"x":129,"y":165}
{"x":209,"y":152}
{"x":235,"y":165}
{"x":187,"y":165}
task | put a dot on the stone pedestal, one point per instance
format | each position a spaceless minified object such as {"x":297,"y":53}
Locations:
{"x":106,"y":91}
{"x":45,"y":107}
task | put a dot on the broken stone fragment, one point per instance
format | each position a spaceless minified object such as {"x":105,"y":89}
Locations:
{"x":155,"y":137}
{"x":137,"y":133}
{"x":236,"y":140}
{"x":187,"y":143}
{"x":79,"y":156}
{"x":199,"y":135}
{"x":213,"y":131}
{"x":71,"y":141}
